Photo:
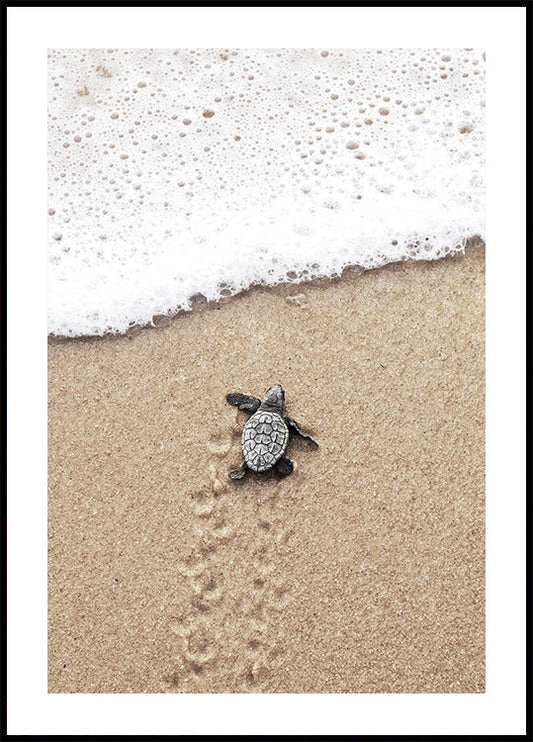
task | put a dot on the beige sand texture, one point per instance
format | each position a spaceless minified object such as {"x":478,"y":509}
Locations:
{"x":362,"y":572}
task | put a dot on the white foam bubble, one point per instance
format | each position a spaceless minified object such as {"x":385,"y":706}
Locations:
{"x":182,"y":172}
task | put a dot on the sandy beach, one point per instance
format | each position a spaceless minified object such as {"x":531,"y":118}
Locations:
{"x":362,"y":572}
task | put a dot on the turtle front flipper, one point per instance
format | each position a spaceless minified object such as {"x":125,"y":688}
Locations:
{"x":295,"y":428}
{"x":243,"y":401}
{"x":239,"y":473}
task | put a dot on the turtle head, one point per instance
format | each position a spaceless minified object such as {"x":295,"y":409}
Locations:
{"x":274,"y":400}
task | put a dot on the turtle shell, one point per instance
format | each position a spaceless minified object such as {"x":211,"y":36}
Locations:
{"x":264,"y":440}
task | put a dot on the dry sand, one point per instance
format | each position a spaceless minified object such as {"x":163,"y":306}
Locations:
{"x":362,"y":572}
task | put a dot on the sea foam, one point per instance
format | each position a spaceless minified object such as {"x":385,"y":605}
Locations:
{"x":174,"y":173}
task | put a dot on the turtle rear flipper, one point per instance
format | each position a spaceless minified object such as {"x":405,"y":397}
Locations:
{"x":238,"y":473}
{"x":284,"y":466}
{"x":243,"y":401}
{"x":295,"y":428}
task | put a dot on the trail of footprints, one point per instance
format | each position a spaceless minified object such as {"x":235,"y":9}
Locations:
{"x":259,"y":664}
{"x":216,"y":619}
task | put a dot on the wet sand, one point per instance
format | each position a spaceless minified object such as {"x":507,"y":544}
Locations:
{"x":362,"y":572}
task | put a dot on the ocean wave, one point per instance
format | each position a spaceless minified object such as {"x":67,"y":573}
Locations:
{"x":174,"y":173}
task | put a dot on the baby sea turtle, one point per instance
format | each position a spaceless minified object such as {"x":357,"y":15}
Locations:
{"x":266,"y":434}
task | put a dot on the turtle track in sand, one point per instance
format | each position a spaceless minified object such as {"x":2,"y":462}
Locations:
{"x":226,"y":632}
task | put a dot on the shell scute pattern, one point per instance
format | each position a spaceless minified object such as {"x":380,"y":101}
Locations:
{"x":264,"y":440}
